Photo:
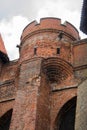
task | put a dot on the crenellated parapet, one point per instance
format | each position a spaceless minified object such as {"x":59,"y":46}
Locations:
{"x":48,"y":24}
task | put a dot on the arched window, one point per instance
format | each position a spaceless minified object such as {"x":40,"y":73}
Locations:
{"x":66,"y":117}
{"x":5,"y":120}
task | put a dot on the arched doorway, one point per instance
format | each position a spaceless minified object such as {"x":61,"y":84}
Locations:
{"x":5,"y":120}
{"x":66,"y":117}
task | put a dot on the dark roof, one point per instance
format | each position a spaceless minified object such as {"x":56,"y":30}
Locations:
{"x":3,"y":52}
{"x":83,"y":23}
{"x":4,"y":57}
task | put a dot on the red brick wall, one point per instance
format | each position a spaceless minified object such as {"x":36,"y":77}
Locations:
{"x":46,"y":44}
{"x":9,"y":71}
{"x":5,"y":106}
{"x":43,"y":105}
{"x":80,"y":54}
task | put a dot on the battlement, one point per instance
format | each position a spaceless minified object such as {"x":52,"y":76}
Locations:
{"x":50,"y":24}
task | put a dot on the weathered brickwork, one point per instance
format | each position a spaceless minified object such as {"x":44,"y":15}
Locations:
{"x":26,"y":98}
{"x":49,"y":43}
{"x":38,"y":91}
{"x":7,"y":91}
{"x":9,"y":71}
{"x":80,"y":56}
{"x":43,"y":105}
{"x":81,"y":112}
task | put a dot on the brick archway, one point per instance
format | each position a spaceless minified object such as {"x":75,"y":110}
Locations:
{"x":5,"y":120}
{"x":66,"y":117}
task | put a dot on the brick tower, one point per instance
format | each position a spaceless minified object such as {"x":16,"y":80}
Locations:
{"x":41,"y":87}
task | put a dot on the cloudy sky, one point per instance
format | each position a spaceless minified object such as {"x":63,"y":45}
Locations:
{"x":16,"y":14}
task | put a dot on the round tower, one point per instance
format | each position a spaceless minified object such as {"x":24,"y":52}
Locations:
{"x":49,"y":38}
{"x":46,"y":56}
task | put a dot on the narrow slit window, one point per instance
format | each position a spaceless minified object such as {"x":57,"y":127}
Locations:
{"x":35,"y":51}
{"x":58,"y":50}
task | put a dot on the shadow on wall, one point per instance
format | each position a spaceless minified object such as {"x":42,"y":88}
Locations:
{"x":5,"y":120}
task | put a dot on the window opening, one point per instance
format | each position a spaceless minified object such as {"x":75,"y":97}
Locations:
{"x":58,"y":50}
{"x":35,"y":50}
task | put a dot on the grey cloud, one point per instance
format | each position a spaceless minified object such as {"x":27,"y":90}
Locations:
{"x":30,"y":8}
{"x":74,"y":5}
{"x":27,"y":8}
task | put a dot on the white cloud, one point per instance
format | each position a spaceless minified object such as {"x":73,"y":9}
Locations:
{"x":59,"y":9}
{"x":11,"y":31}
